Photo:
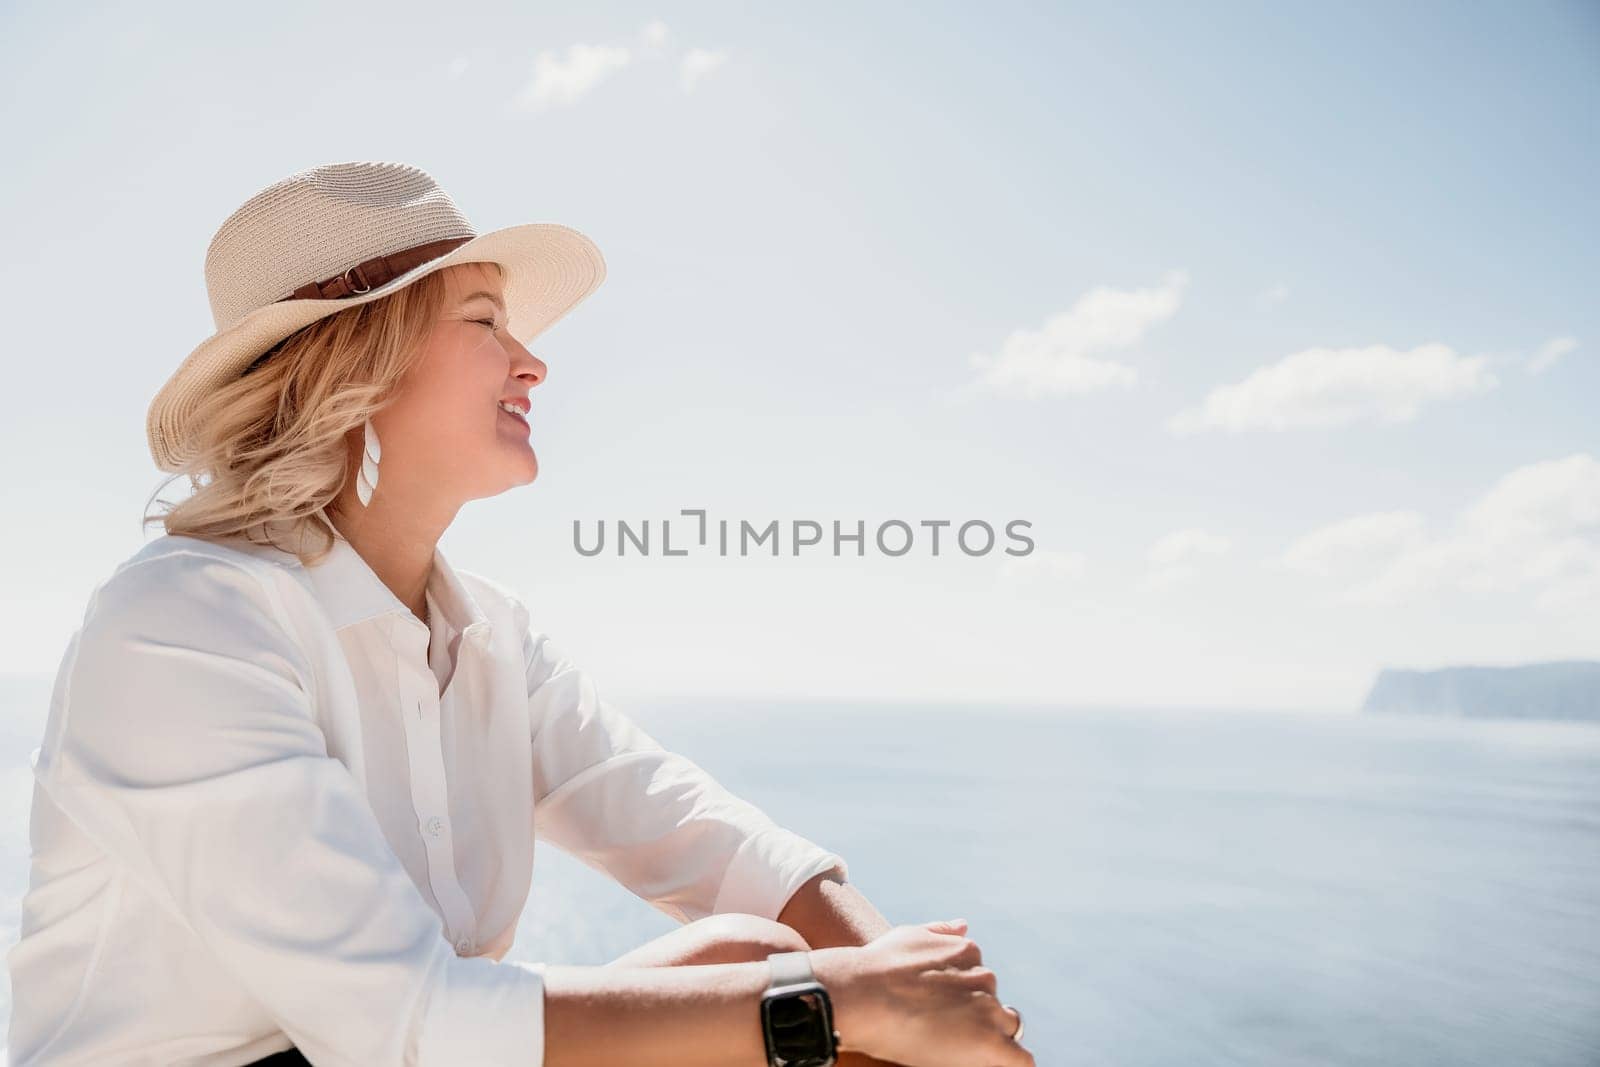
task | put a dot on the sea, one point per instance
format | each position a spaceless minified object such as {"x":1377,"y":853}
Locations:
{"x":1153,"y":887}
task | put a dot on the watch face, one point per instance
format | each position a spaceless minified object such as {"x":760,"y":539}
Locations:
{"x":799,"y":1028}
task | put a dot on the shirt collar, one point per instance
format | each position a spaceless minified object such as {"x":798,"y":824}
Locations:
{"x":351,"y":592}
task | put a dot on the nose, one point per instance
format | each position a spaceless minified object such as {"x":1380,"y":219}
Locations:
{"x":525,"y":365}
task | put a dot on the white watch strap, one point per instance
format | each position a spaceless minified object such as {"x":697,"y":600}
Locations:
{"x":790,"y":968}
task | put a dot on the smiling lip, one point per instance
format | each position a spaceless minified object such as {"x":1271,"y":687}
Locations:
{"x":518,"y":419}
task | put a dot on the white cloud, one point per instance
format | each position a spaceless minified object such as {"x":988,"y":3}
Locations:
{"x":1059,"y":357}
{"x":697,"y":63}
{"x":1333,"y":386}
{"x":1044,"y":563}
{"x":1350,"y":544}
{"x":1276,"y":294}
{"x":1176,"y":557}
{"x":1181,"y":546}
{"x":1549,"y":352}
{"x":561,"y":80}
{"x":1536,"y":532}
{"x":655,"y":34}
{"x":458,"y":67}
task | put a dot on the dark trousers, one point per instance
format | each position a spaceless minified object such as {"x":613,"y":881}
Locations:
{"x":288,"y":1058}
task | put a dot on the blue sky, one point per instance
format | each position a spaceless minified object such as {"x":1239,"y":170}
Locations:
{"x":1277,"y":322}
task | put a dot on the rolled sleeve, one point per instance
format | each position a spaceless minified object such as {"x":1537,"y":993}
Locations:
{"x":609,"y":794}
{"x":188,"y":750}
{"x":483,"y":1012}
{"x":767,"y":870}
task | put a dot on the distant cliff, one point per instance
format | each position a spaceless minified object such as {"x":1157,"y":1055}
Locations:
{"x":1563,"y":690}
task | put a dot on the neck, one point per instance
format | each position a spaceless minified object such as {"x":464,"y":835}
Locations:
{"x":396,"y":542}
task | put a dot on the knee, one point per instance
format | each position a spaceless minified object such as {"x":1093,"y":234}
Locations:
{"x":737,"y":937}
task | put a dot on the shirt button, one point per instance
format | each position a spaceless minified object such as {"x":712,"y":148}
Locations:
{"x":435,"y":826}
{"x":463,"y":946}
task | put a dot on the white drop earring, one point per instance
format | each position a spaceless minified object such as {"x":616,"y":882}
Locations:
{"x":367,"y":476}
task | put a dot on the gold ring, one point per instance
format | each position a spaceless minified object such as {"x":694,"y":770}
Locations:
{"x":1018,"y":1035}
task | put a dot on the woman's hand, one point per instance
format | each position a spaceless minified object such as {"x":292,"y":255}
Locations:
{"x":919,"y":996}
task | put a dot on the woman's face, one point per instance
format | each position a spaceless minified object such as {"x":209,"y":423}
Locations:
{"x":445,"y":433}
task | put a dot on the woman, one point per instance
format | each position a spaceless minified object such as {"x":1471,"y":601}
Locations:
{"x":296,"y":762}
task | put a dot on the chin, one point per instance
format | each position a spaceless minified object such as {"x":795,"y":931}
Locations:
{"x":514,"y":481}
{"x":518,"y":460}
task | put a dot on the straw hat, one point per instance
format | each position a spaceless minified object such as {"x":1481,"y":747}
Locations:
{"x":338,"y":235}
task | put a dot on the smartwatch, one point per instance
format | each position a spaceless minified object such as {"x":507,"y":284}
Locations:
{"x":796,"y":1015}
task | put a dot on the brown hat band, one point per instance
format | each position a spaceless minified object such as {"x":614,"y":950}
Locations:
{"x":363,"y":277}
{"x":371,"y":273}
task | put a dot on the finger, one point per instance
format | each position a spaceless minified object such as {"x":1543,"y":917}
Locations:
{"x":1017,"y":1056}
{"x":1010,"y":1052}
{"x":1003,"y":1017}
{"x":971,"y":954}
{"x":981,"y":978}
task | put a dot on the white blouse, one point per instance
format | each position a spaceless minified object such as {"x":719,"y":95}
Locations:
{"x":272,"y":806}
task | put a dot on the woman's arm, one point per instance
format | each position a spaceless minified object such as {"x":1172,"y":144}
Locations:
{"x":697,"y":1016}
{"x":829,"y":911}
{"x":183,"y":740}
{"x":608,"y":794}
{"x":918,"y":994}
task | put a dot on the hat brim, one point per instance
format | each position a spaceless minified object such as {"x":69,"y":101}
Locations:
{"x":549,"y":269}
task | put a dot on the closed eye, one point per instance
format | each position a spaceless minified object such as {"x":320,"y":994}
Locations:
{"x":486,"y":322}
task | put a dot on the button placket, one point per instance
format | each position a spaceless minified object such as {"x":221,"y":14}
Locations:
{"x":419,"y":693}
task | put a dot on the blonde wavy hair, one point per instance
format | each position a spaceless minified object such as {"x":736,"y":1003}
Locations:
{"x":271,"y":447}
